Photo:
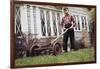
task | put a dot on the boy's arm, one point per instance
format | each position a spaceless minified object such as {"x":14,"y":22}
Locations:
{"x":73,"y":22}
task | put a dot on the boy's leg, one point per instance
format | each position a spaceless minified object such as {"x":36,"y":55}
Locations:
{"x":65,"y":41}
{"x":72,"y":39}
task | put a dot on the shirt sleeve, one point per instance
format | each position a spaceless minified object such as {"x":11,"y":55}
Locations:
{"x":73,"y":20}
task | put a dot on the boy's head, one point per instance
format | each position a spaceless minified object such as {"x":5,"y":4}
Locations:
{"x":66,"y":10}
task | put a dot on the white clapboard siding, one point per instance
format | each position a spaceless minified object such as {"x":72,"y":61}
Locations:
{"x":35,"y":21}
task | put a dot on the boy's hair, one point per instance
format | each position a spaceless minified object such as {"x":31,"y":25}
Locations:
{"x":66,"y":9}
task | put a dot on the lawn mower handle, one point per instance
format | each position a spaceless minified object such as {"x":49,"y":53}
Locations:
{"x":60,"y":35}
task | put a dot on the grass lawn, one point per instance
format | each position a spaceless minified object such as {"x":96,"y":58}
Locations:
{"x":82,"y":55}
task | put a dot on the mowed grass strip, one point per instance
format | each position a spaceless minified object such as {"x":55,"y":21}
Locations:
{"x":82,"y":55}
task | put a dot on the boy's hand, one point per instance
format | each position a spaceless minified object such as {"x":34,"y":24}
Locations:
{"x":71,"y":27}
{"x":64,"y":29}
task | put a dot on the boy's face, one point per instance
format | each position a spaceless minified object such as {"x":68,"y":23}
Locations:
{"x":66,"y":11}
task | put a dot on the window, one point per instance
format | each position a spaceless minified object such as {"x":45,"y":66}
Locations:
{"x":18,"y":21}
{"x":54,"y":23}
{"x":82,"y":19}
{"x":84,"y":23}
{"x":58,"y":21}
{"x":48,"y":23}
{"x":78,"y":22}
{"x":43,"y":29}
